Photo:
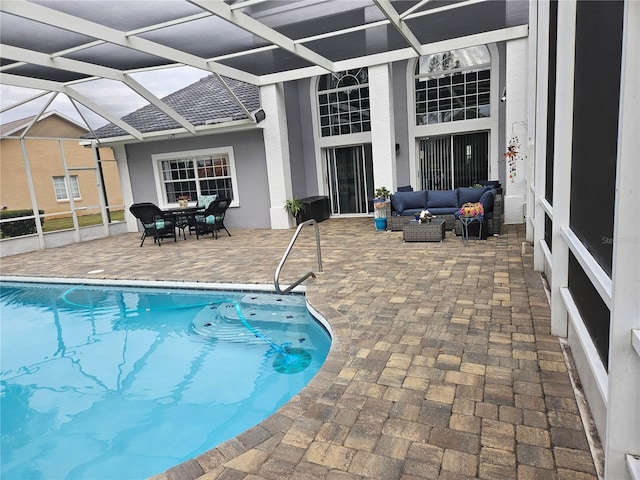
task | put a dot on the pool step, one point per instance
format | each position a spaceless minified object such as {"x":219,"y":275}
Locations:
{"x":221,"y":321}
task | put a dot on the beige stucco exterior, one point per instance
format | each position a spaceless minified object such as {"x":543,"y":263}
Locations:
{"x":50,"y":143}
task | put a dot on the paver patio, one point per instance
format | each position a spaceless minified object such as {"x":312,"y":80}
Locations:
{"x":442,"y":363}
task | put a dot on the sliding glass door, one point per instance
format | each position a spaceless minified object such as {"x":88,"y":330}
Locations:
{"x":453,"y":161}
{"x":350,"y":179}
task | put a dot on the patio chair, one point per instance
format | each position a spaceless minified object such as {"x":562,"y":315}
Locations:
{"x":203,"y":202}
{"x":155,"y":222}
{"x":212,"y":219}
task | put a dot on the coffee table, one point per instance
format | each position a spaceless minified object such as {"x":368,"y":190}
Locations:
{"x":415,"y":231}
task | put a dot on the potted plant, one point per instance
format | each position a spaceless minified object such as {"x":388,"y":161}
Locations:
{"x":295,"y":207}
{"x":379,"y":206}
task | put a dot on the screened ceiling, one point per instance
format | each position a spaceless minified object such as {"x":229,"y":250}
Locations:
{"x":56,"y":45}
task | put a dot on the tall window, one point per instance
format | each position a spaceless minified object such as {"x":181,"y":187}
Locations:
{"x":452,"y":86}
{"x":60,"y":188}
{"x":195,"y":173}
{"x":343,"y":100}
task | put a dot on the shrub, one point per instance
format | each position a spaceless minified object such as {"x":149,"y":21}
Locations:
{"x":18,"y":228}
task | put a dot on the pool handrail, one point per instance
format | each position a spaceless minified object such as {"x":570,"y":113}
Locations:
{"x":276,"y":282}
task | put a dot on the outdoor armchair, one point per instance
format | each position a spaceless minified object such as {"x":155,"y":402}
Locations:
{"x":212,"y":219}
{"x":155,"y":222}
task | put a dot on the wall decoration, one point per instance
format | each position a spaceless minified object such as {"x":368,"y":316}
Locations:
{"x":514,"y":152}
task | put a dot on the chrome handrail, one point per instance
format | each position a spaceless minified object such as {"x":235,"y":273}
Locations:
{"x":276,"y":284}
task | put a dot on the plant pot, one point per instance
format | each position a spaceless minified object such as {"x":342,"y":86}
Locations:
{"x":381,"y":223}
{"x":183,"y":203}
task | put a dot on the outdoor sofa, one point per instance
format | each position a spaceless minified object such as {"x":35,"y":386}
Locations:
{"x":444,"y":204}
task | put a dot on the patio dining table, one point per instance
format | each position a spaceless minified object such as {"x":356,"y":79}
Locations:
{"x":184,"y":216}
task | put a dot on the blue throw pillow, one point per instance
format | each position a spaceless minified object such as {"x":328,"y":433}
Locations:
{"x":487,"y":200}
{"x":442,"y":198}
{"x":470,"y":194}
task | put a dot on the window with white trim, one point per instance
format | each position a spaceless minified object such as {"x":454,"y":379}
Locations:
{"x":194,"y":173}
{"x":60,"y":187}
{"x":343,"y":102}
{"x":452,"y":86}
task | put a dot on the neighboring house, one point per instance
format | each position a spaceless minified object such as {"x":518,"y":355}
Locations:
{"x":50,"y":147}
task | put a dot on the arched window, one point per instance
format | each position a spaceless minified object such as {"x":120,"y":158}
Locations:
{"x":453,"y":85}
{"x":343,"y":101}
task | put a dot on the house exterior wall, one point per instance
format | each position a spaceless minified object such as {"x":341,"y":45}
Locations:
{"x":47,"y":158}
{"x":397,"y":97}
{"x":295,"y":132}
{"x":401,"y":114}
{"x":250,"y":160}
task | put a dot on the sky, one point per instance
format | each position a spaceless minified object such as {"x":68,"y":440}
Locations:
{"x":113,"y":96}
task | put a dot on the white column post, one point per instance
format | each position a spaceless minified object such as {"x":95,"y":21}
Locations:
{"x":623,"y":412}
{"x":532,"y":101}
{"x":276,"y":146}
{"x":120,"y":154}
{"x":382,"y":127}
{"x":541,"y":73}
{"x":516,"y":123}
{"x":562,"y":162}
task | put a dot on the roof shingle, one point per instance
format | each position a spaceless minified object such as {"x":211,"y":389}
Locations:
{"x":206,"y":101}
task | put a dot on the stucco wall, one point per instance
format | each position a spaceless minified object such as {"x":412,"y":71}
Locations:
{"x":251,"y":187}
{"x":295,"y":132}
{"x":401,"y":117}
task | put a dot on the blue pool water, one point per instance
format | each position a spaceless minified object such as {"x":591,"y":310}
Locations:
{"x":123,"y":383}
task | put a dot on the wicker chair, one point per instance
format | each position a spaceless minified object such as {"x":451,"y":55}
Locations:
{"x":155,"y":222}
{"x":212,"y":219}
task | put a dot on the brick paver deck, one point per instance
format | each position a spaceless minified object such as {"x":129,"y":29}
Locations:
{"x":442,"y":363}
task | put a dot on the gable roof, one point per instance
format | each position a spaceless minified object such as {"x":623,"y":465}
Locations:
{"x":204,"y":102}
{"x":16,"y":127}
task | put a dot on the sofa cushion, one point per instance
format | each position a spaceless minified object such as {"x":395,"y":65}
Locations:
{"x":401,"y":201}
{"x":443,"y":210}
{"x":470,"y":194}
{"x":487,"y":200}
{"x":442,"y":198}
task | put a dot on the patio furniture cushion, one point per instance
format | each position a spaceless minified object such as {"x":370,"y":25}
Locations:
{"x":470,"y":194}
{"x":402,"y":201}
{"x":442,"y":198}
{"x":487,"y":200}
{"x":205,"y":200}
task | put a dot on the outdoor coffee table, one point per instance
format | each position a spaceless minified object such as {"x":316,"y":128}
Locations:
{"x":415,"y":231}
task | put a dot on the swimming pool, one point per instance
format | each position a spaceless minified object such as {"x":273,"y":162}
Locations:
{"x":106,"y":382}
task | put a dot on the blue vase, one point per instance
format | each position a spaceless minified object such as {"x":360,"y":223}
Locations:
{"x":381,"y":223}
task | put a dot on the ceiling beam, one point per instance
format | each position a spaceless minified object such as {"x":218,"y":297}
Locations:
{"x":42,"y":59}
{"x":501,"y":35}
{"x":259,"y":29}
{"x":91,"y":105}
{"x":396,"y":21}
{"x":55,"y":18}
